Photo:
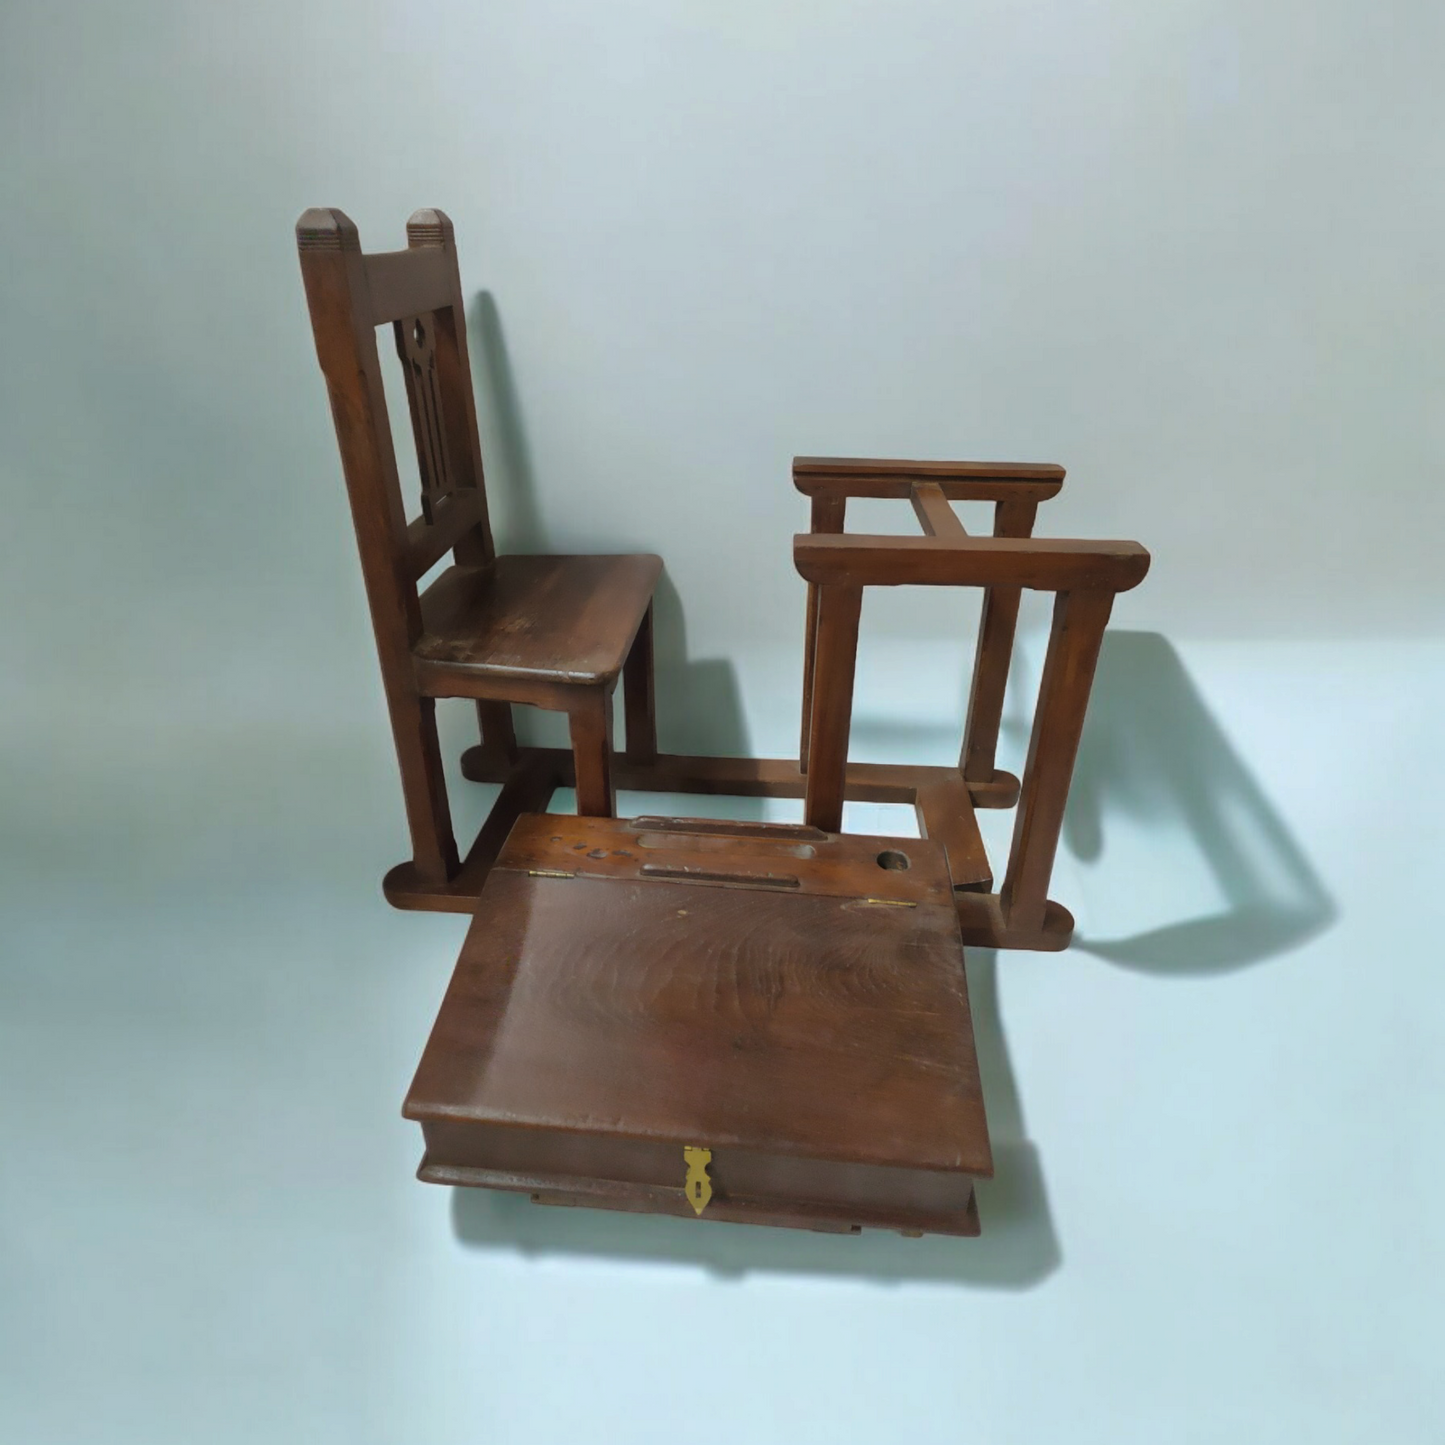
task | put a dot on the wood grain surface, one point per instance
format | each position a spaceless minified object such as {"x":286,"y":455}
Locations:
{"x":554,"y":632}
{"x":816,"y":1039}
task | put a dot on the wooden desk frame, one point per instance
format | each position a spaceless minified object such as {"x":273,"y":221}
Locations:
{"x":1084,"y":578}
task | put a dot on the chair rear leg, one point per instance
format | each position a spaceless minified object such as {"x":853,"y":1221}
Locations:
{"x":590,"y":721}
{"x":495,"y":721}
{"x":639,"y":698}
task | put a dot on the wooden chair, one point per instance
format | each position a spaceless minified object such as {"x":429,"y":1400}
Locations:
{"x":553,"y":632}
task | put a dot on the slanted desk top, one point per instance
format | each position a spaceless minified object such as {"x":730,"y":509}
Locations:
{"x":790,"y":1000}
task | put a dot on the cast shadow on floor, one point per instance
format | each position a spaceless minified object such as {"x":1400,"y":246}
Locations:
{"x":1152,"y":752}
{"x":699,"y":705}
{"x":1151,"y":748}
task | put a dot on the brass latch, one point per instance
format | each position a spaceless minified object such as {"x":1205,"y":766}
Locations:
{"x":697,"y":1186}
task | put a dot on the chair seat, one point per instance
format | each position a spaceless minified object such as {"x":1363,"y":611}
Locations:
{"x":565,"y":619}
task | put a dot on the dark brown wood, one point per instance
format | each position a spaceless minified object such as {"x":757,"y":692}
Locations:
{"x":1078,"y":631}
{"x":1022,"y":915}
{"x":1045,"y":565}
{"x":808,"y":858}
{"x":528,"y":788}
{"x":795,"y":834}
{"x":429,"y":540}
{"x":932,"y":792}
{"x":944,"y":805}
{"x":564,"y":620}
{"x":453,"y":410}
{"x":428,"y":813}
{"x":782,"y":1005}
{"x":945,"y":814}
{"x":637,"y":1199}
{"x":911,"y":1221}
{"x":817,"y":1041}
{"x":416,"y":348}
{"x":639,"y":696}
{"x":546,"y":631}
{"x":739,"y":777}
{"x":934,"y":512}
{"x":983,"y":925}
{"x":591,"y":725}
{"x":959,"y":481}
{"x":994,"y":654}
{"x":835,"y":654}
{"x":829,"y":513}
{"x":1003,"y":565}
{"x":494,"y":720}
{"x":333,"y":269}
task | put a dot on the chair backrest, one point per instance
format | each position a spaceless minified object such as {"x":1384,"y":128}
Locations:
{"x":418,"y":293}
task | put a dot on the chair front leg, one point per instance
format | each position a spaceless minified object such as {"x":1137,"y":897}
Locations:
{"x":423,"y":785}
{"x":590,"y":721}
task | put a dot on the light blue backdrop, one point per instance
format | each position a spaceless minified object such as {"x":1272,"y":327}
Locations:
{"x":1190,"y":251}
